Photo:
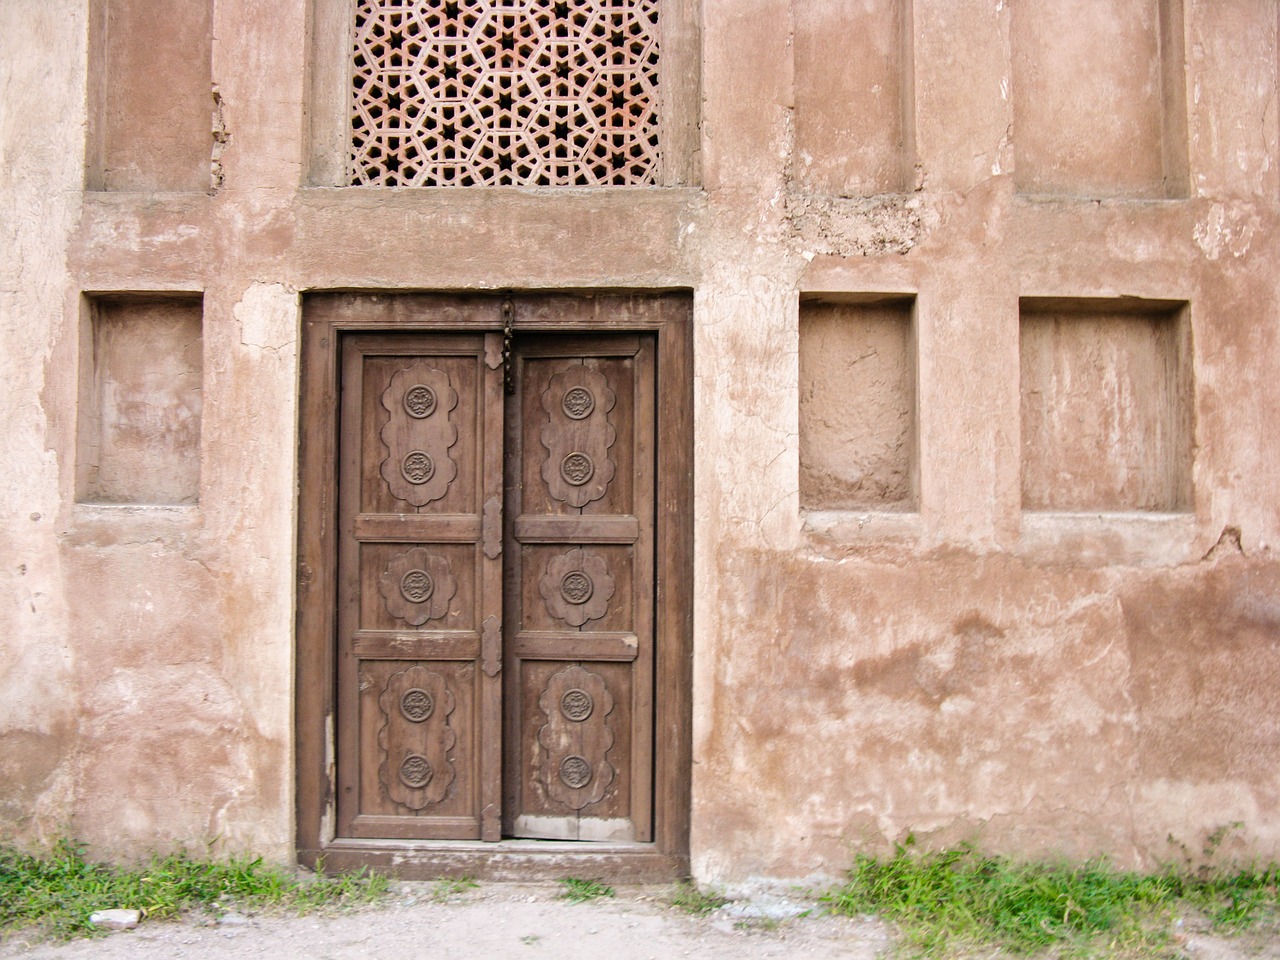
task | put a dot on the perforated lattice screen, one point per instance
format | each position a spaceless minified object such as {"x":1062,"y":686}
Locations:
{"x":505,"y":92}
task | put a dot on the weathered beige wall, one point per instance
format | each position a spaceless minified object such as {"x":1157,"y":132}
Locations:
{"x":41,"y":74}
{"x":1036,"y":681}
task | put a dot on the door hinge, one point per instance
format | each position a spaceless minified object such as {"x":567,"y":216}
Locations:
{"x":491,"y":528}
{"x":491,"y":646}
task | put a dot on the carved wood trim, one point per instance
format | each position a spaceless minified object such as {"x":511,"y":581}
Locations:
{"x":491,"y":646}
{"x":491,"y":528}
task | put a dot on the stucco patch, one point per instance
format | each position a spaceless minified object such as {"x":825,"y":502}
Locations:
{"x":268,"y":316}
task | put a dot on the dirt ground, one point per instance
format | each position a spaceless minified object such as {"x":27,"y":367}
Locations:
{"x":529,"y":922}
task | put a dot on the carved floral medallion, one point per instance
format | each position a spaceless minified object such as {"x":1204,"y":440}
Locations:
{"x":577,"y":587}
{"x":417,"y":586}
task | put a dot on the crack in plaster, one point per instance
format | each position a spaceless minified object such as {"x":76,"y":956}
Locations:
{"x":221,"y":137}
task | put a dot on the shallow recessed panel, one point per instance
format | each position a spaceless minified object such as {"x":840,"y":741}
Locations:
{"x":1106,"y":408}
{"x":141,"y":402}
{"x":857,"y":406}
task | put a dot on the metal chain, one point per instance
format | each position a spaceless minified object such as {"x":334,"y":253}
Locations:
{"x":508,"y":378}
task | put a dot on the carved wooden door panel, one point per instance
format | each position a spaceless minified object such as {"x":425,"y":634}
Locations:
{"x":419,"y":587}
{"x":495,"y":662}
{"x":579,"y":595}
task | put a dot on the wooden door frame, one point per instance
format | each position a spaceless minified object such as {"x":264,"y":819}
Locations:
{"x":327,"y":317}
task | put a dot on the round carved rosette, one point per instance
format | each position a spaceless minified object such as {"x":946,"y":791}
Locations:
{"x":575,"y":771}
{"x":576,"y":705}
{"x":577,"y":403}
{"x":417,"y":587}
{"x":416,"y":772}
{"x":420,"y":401}
{"x":577,"y":468}
{"x":417,"y":467}
{"x":577,"y":587}
{"x":417,"y":705}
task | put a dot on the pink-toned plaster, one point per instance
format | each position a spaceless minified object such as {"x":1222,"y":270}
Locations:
{"x":149,"y":70}
{"x":1039,"y":682}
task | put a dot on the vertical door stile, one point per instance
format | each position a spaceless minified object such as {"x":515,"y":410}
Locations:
{"x":645,"y":417}
{"x":491,"y":560}
{"x":348,"y":593}
{"x":512,"y":576}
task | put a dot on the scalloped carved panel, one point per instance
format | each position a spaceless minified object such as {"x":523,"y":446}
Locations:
{"x":576,"y":737}
{"x":577,"y":587}
{"x":417,"y":586}
{"x":578,"y":435}
{"x":419,"y":434}
{"x":415,"y":738}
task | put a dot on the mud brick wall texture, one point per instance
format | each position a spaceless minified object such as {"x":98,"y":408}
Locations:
{"x":979,"y":439}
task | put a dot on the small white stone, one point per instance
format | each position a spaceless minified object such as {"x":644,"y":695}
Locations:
{"x":116,"y":919}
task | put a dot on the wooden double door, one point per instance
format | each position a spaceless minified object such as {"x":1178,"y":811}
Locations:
{"x":495,"y":634}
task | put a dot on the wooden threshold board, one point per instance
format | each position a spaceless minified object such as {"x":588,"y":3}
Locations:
{"x":505,"y":860}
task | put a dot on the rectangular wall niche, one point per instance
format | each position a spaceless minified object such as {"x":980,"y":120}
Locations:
{"x":140,"y":401}
{"x":1106,"y":405}
{"x":853,"y":93}
{"x":1099,"y":98}
{"x":857,"y":404}
{"x":151,"y":79}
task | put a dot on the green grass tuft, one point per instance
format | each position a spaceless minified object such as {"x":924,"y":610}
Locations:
{"x":952,"y":900}
{"x":577,"y":890}
{"x":446,"y":888}
{"x":55,"y":893}
{"x":691,"y":898}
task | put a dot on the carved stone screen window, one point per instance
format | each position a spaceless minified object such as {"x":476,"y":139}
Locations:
{"x":504,"y":93}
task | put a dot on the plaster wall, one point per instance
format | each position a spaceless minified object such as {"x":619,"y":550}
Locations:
{"x":1068,"y":680}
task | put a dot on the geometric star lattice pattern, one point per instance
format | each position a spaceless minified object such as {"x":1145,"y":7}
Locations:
{"x":504,"y":93}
